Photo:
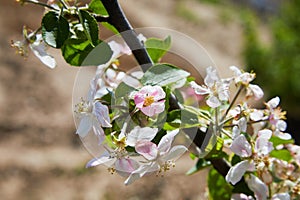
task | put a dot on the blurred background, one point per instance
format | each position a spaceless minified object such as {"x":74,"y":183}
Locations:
{"x":42,"y":158}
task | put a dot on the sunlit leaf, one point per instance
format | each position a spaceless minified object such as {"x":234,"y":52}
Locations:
{"x":55,"y":29}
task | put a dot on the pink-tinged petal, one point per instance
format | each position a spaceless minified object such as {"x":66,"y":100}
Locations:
{"x":99,"y":133}
{"x":139,"y":100}
{"x":236,"y":172}
{"x":105,"y":159}
{"x":166,"y":141}
{"x":84,"y":126}
{"x":102,"y":114}
{"x":241,"y":146}
{"x":258,"y":187}
{"x":158,"y":93}
{"x":199,"y":89}
{"x":149,"y":111}
{"x":263,"y":146}
{"x":241,"y":197}
{"x":281,"y":196}
{"x":257,"y":91}
{"x":125,"y":166}
{"x":174,"y":153}
{"x":138,"y":173}
{"x":147,"y":149}
{"x":213,"y":102}
{"x":139,"y":134}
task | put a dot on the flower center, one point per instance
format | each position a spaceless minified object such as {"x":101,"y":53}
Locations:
{"x":148,"y":101}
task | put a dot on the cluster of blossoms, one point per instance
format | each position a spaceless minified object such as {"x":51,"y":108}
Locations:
{"x":136,"y":117}
{"x":131,"y":117}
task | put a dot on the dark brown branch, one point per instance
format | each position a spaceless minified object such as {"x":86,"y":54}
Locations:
{"x":119,"y":21}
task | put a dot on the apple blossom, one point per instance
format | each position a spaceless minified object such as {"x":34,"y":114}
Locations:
{"x":216,"y":88}
{"x":150,"y":100}
{"x":37,"y":45}
{"x":158,"y":157}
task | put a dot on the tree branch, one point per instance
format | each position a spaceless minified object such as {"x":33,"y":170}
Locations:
{"x":119,"y":21}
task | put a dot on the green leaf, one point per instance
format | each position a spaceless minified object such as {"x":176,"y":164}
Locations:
{"x":277,"y":141}
{"x":55,"y":29}
{"x":201,"y":164}
{"x":157,"y":47}
{"x":80,"y":52}
{"x":123,"y":90}
{"x":97,"y":7}
{"x":90,"y":26}
{"x":110,"y":27}
{"x":181,"y":118}
{"x":217,"y":186}
{"x":163,"y":74}
{"x":282,"y":154}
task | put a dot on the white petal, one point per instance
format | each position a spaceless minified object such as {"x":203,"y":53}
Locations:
{"x":266,"y":133}
{"x":99,"y":133}
{"x":84,"y":126}
{"x":166,"y":141}
{"x":281,"y":125}
{"x":256,"y":115}
{"x":241,"y":197}
{"x":241,"y":146}
{"x":281,"y":196}
{"x":263,"y":146}
{"x":284,"y":136}
{"x":236,"y":71}
{"x":213,"y":102}
{"x":40,"y":52}
{"x":174,"y":153}
{"x":138,"y":134}
{"x":104,"y":159}
{"x":199,"y":89}
{"x":257,"y":91}
{"x":236,"y":172}
{"x":273,"y":103}
{"x":258,"y":187}
{"x":102,"y":114}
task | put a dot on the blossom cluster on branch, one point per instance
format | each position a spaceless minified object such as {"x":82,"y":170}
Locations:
{"x":133,"y":117}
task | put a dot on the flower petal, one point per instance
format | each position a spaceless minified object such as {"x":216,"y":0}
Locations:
{"x":281,"y":196}
{"x":138,"y":134}
{"x":174,"y":153}
{"x":126,"y":166}
{"x":102,"y":114}
{"x":166,"y":141}
{"x":258,"y":187}
{"x":147,"y":149}
{"x":256,"y":91}
{"x":236,"y":172}
{"x":84,"y":126}
{"x":104,"y":159}
{"x":241,"y":146}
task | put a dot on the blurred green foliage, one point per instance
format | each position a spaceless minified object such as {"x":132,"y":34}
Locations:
{"x":277,"y":65}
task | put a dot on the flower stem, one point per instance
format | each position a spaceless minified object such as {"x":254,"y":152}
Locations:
{"x":41,"y":4}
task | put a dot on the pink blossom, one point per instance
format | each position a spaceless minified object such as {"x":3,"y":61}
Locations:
{"x":150,"y":100}
{"x":158,"y":157}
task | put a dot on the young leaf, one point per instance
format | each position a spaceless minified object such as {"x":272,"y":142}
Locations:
{"x":217,"y":186}
{"x":282,"y":154}
{"x":123,"y":90}
{"x":157,"y":47}
{"x":97,"y":7}
{"x":80,"y":52}
{"x":90,"y":26}
{"x":163,"y":75}
{"x":55,"y":29}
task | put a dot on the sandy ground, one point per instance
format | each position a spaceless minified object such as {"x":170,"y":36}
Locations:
{"x":40,"y":156}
